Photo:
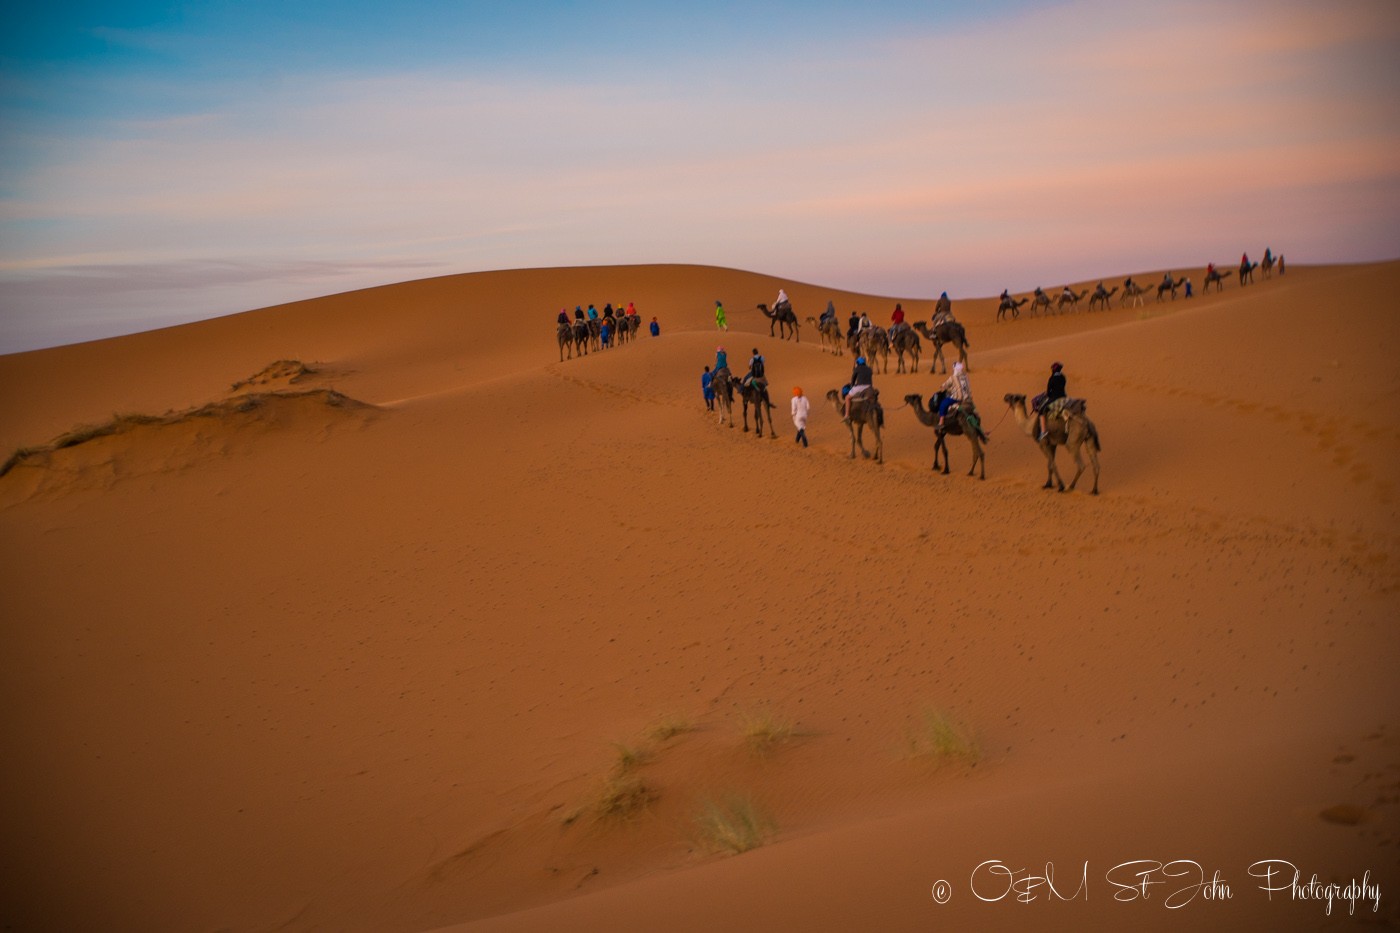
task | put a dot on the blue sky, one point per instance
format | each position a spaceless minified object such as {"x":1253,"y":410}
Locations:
{"x":165,"y":162}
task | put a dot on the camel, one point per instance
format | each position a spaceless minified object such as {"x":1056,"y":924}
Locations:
{"x":1041,"y":300}
{"x":1169,"y":285}
{"x":956,"y":423}
{"x":875,"y":342}
{"x":1132,"y":292}
{"x":1268,"y":265}
{"x":1218,"y":277}
{"x":581,"y":337}
{"x":946,"y":332}
{"x":1010,"y":306}
{"x":1102,"y":296}
{"x":831,"y":333}
{"x":723,"y":386}
{"x":906,"y":341}
{"x":756,"y":394}
{"x":566,"y":339}
{"x":595,"y":334}
{"x":865,"y":412}
{"x":1071,"y":429}
{"x":1247,"y":272}
{"x":1068,"y":297}
{"x":780,"y":317}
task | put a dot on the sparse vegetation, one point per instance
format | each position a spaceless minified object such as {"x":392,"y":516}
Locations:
{"x":629,"y":757}
{"x":732,"y":825}
{"x":120,"y":424}
{"x":763,"y":729}
{"x":669,"y":727}
{"x":621,"y":796}
{"x":938,"y":738}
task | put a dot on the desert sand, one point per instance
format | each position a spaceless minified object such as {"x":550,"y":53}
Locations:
{"x":428,"y":629}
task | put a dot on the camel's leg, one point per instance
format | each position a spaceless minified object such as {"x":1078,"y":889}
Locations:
{"x":1052,"y":473}
{"x":851,"y":426}
{"x":977,"y":457}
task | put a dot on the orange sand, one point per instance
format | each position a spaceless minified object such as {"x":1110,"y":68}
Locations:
{"x":319,"y":666}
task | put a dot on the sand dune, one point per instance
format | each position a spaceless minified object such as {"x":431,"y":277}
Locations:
{"x":476,"y":654}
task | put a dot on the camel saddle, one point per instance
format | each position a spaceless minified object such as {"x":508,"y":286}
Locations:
{"x":1064,"y":407}
{"x":870,"y":396}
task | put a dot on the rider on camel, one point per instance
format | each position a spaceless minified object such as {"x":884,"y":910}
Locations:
{"x":861,"y":384}
{"x":1054,"y":391}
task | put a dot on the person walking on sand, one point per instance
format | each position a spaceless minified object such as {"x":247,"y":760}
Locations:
{"x":720,"y":322}
{"x":707,"y":388}
{"x":655,"y":327}
{"x":800,"y":408}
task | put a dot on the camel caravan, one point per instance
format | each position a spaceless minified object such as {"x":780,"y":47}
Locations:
{"x":1133,"y":294}
{"x":1051,"y":420}
{"x":593,"y":331}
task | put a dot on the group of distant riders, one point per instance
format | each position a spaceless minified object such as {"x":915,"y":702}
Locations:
{"x":954,"y":394}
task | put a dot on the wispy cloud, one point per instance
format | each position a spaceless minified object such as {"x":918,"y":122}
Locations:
{"x":1074,"y":135}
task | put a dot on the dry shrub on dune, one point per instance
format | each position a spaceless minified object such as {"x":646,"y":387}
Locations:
{"x":732,"y":825}
{"x":938,"y":739}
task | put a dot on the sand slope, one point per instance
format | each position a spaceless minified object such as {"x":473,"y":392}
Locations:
{"x":374,"y":668}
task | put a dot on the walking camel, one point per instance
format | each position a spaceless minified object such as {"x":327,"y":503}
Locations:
{"x":865,"y":412}
{"x":831,"y":333}
{"x":1169,"y":285}
{"x":723,"y":384}
{"x":875,"y":342}
{"x":1010,"y":306}
{"x":1102,"y":296}
{"x":1133,"y":293}
{"x":956,"y":423}
{"x":1041,"y":300}
{"x":781,"y":317}
{"x":906,"y":341}
{"x":1068,"y":297}
{"x":566,"y":340}
{"x":756,"y":394}
{"x":1071,"y":429}
{"x":946,"y":332}
{"x":1217,"y":277}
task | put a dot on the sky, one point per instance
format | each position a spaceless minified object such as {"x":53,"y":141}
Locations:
{"x":166,"y":162}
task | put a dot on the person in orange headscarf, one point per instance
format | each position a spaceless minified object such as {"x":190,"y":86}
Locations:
{"x":800,"y":407}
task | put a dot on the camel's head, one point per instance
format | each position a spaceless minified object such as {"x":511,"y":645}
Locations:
{"x":914,"y":399}
{"x":1012,"y":398}
{"x":834,"y":395}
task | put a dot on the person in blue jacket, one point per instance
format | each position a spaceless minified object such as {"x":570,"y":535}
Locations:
{"x":707,"y":388}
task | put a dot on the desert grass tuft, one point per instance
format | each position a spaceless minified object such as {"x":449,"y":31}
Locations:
{"x":622,"y":796}
{"x":763,"y":729}
{"x":669,"y":727}
{"x":939,"y":739}
{"x":732,"y":825}
{"x":629,"y":757}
